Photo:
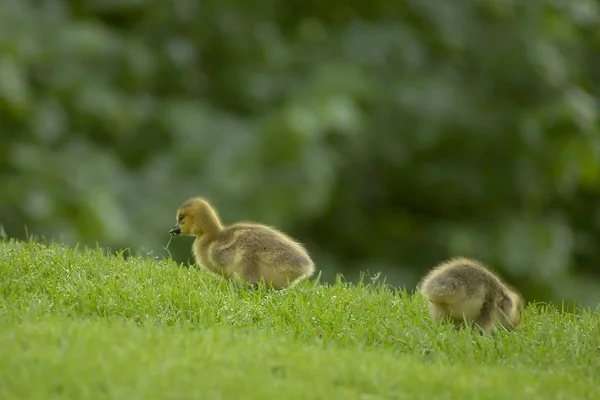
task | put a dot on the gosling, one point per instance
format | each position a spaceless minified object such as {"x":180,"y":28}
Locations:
{"x":243,"y":252}
{"x":466,"y":292}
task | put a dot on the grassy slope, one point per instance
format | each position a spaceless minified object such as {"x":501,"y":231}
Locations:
{"x":78,"y":324}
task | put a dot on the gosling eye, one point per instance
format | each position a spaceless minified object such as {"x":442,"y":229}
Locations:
{"x":180,"y":218}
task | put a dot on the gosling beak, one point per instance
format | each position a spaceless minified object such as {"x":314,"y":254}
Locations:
{"x":176,"y":230}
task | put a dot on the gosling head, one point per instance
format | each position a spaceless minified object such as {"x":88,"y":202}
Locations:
{"x":197,"y":218}
{"x":519,"y":308}
{"x":512,"y":308}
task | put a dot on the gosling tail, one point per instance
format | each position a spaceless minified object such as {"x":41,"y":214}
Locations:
{"x":441,"y":290}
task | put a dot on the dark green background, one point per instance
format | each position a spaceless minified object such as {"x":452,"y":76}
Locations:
{"x":385,"y":135}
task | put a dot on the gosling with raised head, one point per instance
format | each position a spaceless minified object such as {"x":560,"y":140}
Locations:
{"x":244,"y":252}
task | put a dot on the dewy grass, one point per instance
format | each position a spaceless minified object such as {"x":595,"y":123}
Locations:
{"x":80,"y":324}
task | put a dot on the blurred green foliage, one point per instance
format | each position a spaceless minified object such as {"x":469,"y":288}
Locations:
{"x":385,"y":135}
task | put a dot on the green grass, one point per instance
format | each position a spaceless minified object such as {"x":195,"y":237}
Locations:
{"x":78,"y":324}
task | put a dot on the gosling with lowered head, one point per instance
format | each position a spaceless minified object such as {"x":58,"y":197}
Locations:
{"x":465,"y":291}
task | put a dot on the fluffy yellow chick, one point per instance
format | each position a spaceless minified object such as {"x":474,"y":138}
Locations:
{"x":244,"y":252}
{"x":464,"y":290}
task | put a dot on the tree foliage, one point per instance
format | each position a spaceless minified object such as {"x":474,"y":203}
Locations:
{"x":385,"y":135}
